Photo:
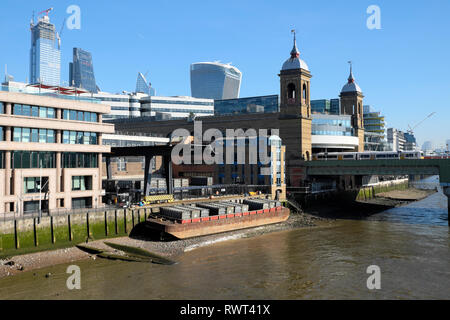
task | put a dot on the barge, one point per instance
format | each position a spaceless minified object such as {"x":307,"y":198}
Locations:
{"x":203,"y":219}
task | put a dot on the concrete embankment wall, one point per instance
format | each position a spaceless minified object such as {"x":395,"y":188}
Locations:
{"x":25,"y":235}
{"x":350,"y":196}
{"x":370,"y":192}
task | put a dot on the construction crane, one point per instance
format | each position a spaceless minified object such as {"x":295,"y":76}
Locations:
{"x":46,"y":12}
{"x":411,"y":130}
{"x":58,"y":35}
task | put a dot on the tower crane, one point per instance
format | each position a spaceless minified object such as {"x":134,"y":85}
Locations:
{"x":58,"y":35}
{"x":46,"y":11}
{"x":411,"y":130}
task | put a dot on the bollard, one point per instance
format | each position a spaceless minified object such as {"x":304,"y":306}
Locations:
{"x":88,"y":231}
{"x":125,"y":220}
{"x":16,"y":236}
{"x":69,"y":224}
{"x":115,"y":222}
{"x":36,"y":242}
{"x":106,"y":224}
{"x":52,"y":232}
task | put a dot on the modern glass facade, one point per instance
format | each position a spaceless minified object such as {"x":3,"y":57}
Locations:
{"x":175,"y":107}
{"x":143,"y":86}
{"x":335,"y":106}
{"x":80,"y":115}
{"x":33,"y":111}
{"x":374,"y":130}
{"x":213,"y":80}
{"x":34,"y":135}
{"x":81,"y":71}
{"x":331,"y":125}
{"x":33,"y":160}
{"x":265,"y":104}
{"x":45,"y":56}
{"x":326,"y":106}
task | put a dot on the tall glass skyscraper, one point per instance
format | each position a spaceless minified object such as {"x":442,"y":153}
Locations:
{"x":213,"y":80}
{"x":45,"y":55}
{"x":143,"y":86}
{"x":81,"y":71}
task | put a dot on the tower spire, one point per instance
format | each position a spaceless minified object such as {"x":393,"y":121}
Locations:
{"x":294,"y":53}
{"x":350,"y":77}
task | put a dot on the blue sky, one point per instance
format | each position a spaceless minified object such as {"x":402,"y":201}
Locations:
{"x":403,"y":69}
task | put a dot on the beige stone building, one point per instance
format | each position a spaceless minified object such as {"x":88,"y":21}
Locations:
{"x":51,"y":151}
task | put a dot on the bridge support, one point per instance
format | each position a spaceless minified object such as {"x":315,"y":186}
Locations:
{"x":447,"y":193}
{"x":147,"y":174}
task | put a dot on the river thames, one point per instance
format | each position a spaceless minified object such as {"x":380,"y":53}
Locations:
{"x":410,"y":245}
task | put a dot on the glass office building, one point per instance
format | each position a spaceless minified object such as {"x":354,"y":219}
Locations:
{"x":263,"y":104}
{"x":332,"y":125}
{"x":374,"y":130}
{"x":81,"y":71}
{"x":45,"y":55}
{"x":143,"y":86}
{"x":213,"y":80}
{"x":335,"y":106}
{"x":326,"y":106}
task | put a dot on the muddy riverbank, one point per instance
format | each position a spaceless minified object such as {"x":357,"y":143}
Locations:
{"x":172,"y":249}
{"x":323,"y":214}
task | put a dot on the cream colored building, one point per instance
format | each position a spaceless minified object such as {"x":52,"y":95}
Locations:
{"x":50,"y":152}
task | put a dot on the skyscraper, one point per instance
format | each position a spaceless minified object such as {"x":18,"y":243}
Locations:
{"x":45,"y":54}
{"x":81,"y":71}
{"x":213,"y":80}
{"x":143,"y":86}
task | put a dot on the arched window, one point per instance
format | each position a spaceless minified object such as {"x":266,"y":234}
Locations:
{"x":305,"y":93}
{"x":291,"y":91}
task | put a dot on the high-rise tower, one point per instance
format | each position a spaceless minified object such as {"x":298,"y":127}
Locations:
{"x":352,"y":104}
{"x":295,"y":106}
{"x":143,"y":86}
{"x":214,"y":80}
{"x":81,"y":71}
{"x":45,"y":55}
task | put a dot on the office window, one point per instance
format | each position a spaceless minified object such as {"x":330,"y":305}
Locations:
{"x":81,"y":183}
{"x":17,"y":134}
{"x":34,"y":111}
{"x":32,"y":160}
{"x":121,"y":165}
{"x":26,"y":110}
{"x":17,"y":109}
{"x":1,"y":134}
{"x":51,"y":113}
{"x":42,"y":112}
{"x":66,"y":137}
{"x":50,"y":136}
{"x":34,"y":135}
{"x":34,"y":184}
{"x":73,"y":137}
{"x":78,"y":160}
{"x":66,"y":114}
{"x":26,"y":134}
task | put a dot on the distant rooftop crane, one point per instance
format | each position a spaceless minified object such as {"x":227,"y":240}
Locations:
{"x":46,"y":11}
{"x":411,"y":130}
